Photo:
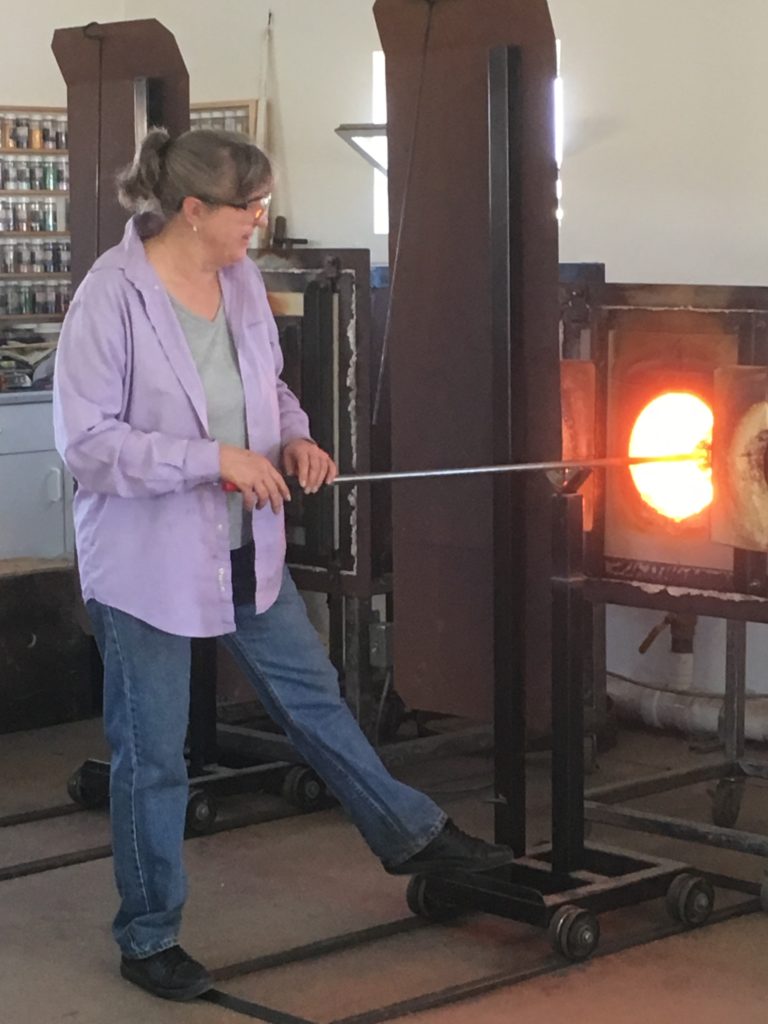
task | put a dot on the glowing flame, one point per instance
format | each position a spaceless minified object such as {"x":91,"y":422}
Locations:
{"x":674,"y":424}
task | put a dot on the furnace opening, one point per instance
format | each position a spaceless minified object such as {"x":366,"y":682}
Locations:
{"x":674,"y":423}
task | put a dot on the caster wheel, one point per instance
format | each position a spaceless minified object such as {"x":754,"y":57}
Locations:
{"x":88,"y":788}
{"x":201,"y":812}
{"x":726,"y":802}
{"x":423,"y":903}
{"x":303,"y":788}
{"x":574,"y":933}
{"x":690,"y":900}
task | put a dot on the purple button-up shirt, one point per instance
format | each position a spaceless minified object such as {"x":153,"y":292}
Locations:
{"x":131,"y":425}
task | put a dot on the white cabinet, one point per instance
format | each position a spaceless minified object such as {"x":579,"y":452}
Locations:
{"x":35,"y":489}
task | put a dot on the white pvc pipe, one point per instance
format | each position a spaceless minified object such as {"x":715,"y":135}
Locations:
{"x":687,"y":713}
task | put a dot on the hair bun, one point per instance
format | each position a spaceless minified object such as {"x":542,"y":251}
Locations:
{"x":137,"y":185}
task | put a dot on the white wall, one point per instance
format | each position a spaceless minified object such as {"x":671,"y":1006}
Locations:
{"x":322,"y":78}
{"x":29,"y":75}
{"x":667,"y":141}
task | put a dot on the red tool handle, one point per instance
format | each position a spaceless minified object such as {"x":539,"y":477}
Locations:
{"x":226,"y":486}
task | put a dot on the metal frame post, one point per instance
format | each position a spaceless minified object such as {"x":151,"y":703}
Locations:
{"x":505,"y":163}
{"x":568,"y":608}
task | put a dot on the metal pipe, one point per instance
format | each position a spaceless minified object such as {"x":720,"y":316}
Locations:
{"x":519,"y":467}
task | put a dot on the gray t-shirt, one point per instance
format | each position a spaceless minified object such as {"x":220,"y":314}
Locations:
{"x":214,"y":354}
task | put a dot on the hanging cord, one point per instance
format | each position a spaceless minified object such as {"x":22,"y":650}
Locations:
{"x":264,"y":230}
{"x":403,"y":210}
{"x":262,"y":131}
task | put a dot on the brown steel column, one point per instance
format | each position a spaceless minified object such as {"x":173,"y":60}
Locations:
{"x":444,"y":373}
{"x":115,"y":74}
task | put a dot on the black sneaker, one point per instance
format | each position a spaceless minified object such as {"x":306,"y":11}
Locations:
{"x":170,"y":974}
{"x":453,"y":851}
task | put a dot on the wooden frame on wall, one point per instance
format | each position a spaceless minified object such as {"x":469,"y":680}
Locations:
{"x":221,"y":113}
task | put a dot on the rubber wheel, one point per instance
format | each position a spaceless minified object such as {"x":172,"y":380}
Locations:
{"x":690,"y":900}
{"x":87,"y":792}
{"x":201,"y":812}
{"x":423,"y":903}
{"x":574,"y":933}
{"x":726,"y":802}
{"x":303,"y":788}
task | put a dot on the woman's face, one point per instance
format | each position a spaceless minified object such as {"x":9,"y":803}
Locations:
{"x":225,"y":229}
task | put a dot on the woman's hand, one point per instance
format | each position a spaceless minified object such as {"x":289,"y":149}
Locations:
{"x":309,"y":464}
{"x":255,"y":476}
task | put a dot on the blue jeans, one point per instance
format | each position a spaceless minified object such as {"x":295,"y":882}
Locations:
{"x":146,"y":702}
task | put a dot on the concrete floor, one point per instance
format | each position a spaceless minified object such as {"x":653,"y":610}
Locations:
{"x":288,"y":882}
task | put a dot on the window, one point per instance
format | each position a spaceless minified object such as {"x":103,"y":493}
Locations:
{"x":379,"y":116}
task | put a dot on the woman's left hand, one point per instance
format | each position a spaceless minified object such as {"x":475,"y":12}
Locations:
{"x":309,"y":464}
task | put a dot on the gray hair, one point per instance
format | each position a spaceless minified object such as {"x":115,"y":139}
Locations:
{"x":216,"y":166}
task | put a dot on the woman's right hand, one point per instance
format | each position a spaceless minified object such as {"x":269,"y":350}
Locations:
{"x":253,"y":475}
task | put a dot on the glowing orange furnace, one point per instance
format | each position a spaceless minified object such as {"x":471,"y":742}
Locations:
{"x":672,"y":424}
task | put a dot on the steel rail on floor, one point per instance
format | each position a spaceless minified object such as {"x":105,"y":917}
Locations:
{"x":454,"y":993}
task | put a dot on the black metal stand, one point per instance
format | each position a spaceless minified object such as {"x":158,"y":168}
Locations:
{"x":564,"y":885}
{"x":213,"y":771}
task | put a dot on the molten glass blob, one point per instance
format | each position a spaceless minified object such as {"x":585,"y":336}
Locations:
{"x":677,"y":423}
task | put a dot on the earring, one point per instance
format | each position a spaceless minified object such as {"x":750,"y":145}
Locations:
{"x":194,"y":228}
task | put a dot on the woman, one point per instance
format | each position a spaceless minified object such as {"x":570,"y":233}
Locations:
{"x":167,"y":388}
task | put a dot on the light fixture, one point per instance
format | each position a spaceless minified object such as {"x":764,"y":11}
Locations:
{"x":369,"y":140}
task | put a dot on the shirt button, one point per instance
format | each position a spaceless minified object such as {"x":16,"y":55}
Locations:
{"x":220,"y":527}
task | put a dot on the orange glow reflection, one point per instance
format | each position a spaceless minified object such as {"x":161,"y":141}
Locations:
{"x":673,"y":424}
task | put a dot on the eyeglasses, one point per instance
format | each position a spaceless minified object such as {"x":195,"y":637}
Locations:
{"x":258,"y":205}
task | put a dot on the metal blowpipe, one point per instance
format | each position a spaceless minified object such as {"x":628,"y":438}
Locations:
{"x":699,"y":455}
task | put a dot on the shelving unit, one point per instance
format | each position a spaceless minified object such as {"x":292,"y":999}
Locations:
{"x":21,"y":249}
{"x":32,"y":318}
{"x":16,"y":151}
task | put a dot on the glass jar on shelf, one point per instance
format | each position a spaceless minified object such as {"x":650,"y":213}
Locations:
{"x":6,"y":216}
{"x":50,"y":215}
{"x":22,"y":174}
{"x":49,"y":174}
{"x":21,"y":215}
{"x":65,"y":257}
{"x":50,"y":299}
{"x":49,"y":257}
{"x":37,"y":258}
{"x":22,"y":132}
{"x":8,"y":130}
{"x":26,"y":299}
{"x":61,"y":172}
{"x":35,"y":132}
{"x":10,"y":176}
{"x":49,"y":133}
{"x":13,"y":305}
{"x":40,"y":297}
{"x":23,"y":257}
{"x":62,"y":134}
{"x":36,"y":180}
{"x":7,"y":257}
{"x":36,"y":222}
{"x":63,"y":292}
